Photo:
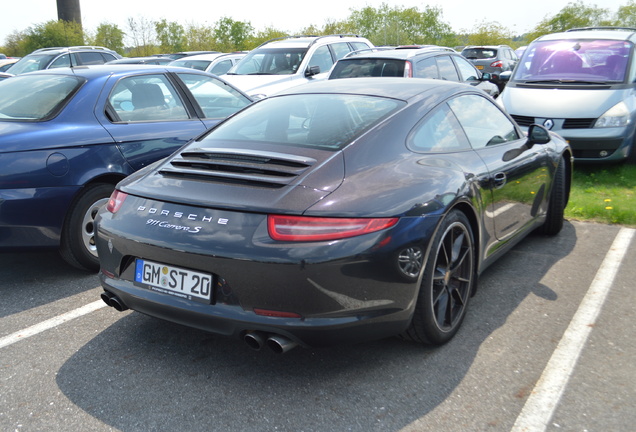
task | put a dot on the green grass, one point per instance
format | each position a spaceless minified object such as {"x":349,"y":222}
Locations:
{"x":604,"y":193}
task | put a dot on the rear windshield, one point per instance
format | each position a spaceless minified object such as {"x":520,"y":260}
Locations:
{"x":193,"y":64}
{"x":327,"y":121}
{"x":479,"y":53}
{"x":352,"y":68}
{"x":578,"y":60}
{"x":36,"y":97}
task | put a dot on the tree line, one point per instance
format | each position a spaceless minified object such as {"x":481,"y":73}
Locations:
{"x":384,"y":25}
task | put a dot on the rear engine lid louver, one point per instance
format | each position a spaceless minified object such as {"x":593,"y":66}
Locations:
{"x":238,"y":166}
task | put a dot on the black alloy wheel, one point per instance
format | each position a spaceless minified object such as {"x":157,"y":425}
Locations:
{"x":447,"y":283}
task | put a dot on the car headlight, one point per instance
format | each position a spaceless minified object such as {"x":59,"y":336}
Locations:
{"x":616,"y":116}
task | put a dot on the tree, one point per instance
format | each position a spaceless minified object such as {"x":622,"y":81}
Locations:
{"x":400,"y":26}
{"x":265,"y":35}
{"x":232,"y":35}
{"x":53,"y":34}
{"x":490,"y":33}
{"x":15,"y":44}
{"x":199,"y":38}
{"x":142,"y":33}
{"x":171,"y":36}
{"x":573,"y":15}
{"x":626,"y":15}
{"x":110,"y":36}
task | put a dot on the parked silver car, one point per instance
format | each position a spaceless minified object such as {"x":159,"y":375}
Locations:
{"x":492,"y":59}
{"x":582,"y":85}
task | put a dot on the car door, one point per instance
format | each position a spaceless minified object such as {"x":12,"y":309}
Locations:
{"x":148,"y":118}
{"x":518,"y":173}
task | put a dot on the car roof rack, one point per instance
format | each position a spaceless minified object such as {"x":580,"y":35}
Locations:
{"x":87,"y":47}
{"x":602,"y":28}
{"x":308,"y":36}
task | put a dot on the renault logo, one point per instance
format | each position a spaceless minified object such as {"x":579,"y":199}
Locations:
{"x":549,"y":124}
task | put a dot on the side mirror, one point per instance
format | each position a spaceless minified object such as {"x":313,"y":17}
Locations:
{"x":486,"y":77}
{"x":537,"y":134}
{"x":312,"y":70}
{"x":505,"y":76}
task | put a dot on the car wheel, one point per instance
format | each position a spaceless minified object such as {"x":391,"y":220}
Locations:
{"x":556,"y":205}
{"x":409,"y":262}
{"x":78,"y":234}
{"x":447,"y":283}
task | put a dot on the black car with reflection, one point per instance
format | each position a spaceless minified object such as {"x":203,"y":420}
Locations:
{"x":334,"y":212}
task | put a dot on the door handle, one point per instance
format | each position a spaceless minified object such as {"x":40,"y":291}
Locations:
{"x":499,"y":179}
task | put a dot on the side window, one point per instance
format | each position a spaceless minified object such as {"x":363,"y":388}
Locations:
{"x":484,"y":124}
{"x":147,"y":98}
{"x":216,"y":99}
{"x":322,"y":58}
{"x":426,"y":68}
{"x":467,"y":70}
{"x":340,"y":50}
{"x":221,"y":67}
{"x":62,"y":61}
{"x":447,"y":69}
{"x":89,"y":58}
{"x":438,"y":132}
{"x":358,"y":46}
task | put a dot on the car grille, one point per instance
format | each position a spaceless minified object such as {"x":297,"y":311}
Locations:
{"x":247,"y":167}
{"x":578,"y":123}
{"x":571,"y":123}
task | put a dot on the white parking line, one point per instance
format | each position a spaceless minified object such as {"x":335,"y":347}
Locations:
{"x":540,"y":406}
{"x":50,"y":323}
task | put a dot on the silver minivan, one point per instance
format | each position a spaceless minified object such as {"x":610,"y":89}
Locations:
{"x":581,"y":84}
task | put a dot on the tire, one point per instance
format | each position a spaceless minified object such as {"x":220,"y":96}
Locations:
{"x":78,"y":234}
{"x":447,"y":283}
{"x":556,"y":204}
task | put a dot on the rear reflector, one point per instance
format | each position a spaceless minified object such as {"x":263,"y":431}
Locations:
{"x":278,"y":314}
{"x":302,"y":228}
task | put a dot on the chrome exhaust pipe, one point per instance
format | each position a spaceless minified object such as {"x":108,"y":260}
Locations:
{"x":280,"y":344}
{"x":254,"y":340}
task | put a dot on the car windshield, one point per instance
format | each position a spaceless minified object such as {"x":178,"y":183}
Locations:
{"x":193,"y":64}
{"x":30,"y":63}
{"x":35,"y":97}
{"x":479,"y":53}
{"x":327,"y":121}
{"x":270,"y":61}
{"x":574,"y":60}
{"x":375,"y":67}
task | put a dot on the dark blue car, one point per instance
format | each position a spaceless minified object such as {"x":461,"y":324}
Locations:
{"x":67,"y":136}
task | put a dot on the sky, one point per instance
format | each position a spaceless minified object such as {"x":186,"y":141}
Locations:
{"x":286,"y":15}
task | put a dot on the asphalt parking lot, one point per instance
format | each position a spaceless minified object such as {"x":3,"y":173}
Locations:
{"x":547,"y":345}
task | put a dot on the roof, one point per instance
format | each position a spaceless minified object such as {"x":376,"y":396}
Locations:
{"x":608,"y":33}
{"x":396,"y":88}
{"x":398,"y":53}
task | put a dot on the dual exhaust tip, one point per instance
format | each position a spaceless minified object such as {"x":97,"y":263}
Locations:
{"x":113,"y":301}
{"x":255,"y":340}
{"x":277,"y":343}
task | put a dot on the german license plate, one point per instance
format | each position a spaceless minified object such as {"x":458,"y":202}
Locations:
{"x":175,"y":281}
{"x":480,"y":67}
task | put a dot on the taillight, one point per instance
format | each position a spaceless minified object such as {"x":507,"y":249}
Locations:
{"x":408,"y":70}
{"x":498,"y":64}
{"x":116,"y":200}
{"x":303,"y":228}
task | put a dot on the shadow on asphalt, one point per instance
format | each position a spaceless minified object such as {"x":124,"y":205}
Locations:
{"x":144,"y":374}
{"x":33,"y":279}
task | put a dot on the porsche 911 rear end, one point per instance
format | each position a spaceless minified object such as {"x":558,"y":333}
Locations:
{"x":312,"y":281}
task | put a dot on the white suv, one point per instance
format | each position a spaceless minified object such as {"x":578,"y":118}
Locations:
{"x":282,"y":63}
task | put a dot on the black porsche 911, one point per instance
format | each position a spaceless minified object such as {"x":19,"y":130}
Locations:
{"x":334,"y":212}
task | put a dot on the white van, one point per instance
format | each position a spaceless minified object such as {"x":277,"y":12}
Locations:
{"x":582,"y":85}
